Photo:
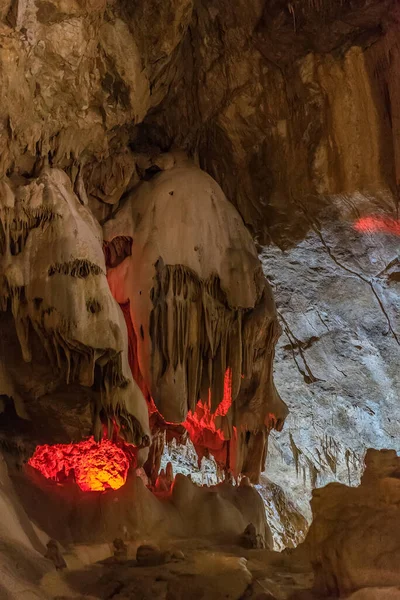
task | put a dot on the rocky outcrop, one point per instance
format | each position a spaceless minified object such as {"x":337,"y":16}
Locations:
{"x":355,"y":537}
{"x":283,"y":103}
{"x":200,"y":343}
{"x":78,"y":75}
{"x":293,"y":108}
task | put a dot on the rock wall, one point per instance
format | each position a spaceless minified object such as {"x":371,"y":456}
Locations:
{"x":60,"y":324}
{"x":354,"y":539}
{"x":203,"y":320}
{"x":337,"y":295}
{"x":286,"y":103}
{"x":77,"y":75}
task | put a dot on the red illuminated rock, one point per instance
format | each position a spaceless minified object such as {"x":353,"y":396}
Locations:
{"x":95,"y":466}
{"x":58,"y":315}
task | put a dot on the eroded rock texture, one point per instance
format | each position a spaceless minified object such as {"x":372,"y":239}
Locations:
{"x":288,"y":526}
{"x":287,"y":103}
{"x":78,"y":75}
{"x":355,"y":538}
{"x":338,"y":299}
{"x":293,"y":109}
{"x":284,"y":103}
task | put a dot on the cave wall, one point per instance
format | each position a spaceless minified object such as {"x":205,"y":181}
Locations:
{"x":293,"y":107}
{"x":77,"y":75}
{"x":337,"y":295}
{"x":286,"y":104}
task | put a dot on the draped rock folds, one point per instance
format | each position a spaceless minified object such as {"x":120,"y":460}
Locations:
{"x":53,"y":283}
{"x":204,"y":319}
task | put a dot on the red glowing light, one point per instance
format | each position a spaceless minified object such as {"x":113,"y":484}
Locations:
{"x":132,"y":350}
{"x":203,"y":418}
{"x":95,"y":466}
{"x":375,"y":224}
{"x":225,"y":405}
{"x":202,"y":427}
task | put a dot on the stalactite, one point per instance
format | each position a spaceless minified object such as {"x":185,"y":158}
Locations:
{"x":296,"y":453}
{"x":16,"y":224}
{"x":53,"y":282}
{"x":204,"y":351}
{"x":117,"y":250}
{"x":202,"y":315}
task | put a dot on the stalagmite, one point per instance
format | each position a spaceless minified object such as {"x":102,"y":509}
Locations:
{"x":203,"y":319}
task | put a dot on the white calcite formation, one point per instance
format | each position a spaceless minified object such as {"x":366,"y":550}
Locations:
{"x":53,"y":283}
{"x":203,"y":315}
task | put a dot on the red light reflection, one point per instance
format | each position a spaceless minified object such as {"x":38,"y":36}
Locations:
{"x":375,"y":224}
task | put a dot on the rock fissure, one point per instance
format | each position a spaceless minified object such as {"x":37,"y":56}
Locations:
{"x":295,"y":344}
{"x":369,"y":282}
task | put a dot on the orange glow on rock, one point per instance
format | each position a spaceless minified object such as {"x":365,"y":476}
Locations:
{"x":206,"y":429}
{"x":203,"y":419}
{"x":376,"y":223}
{"x":95,"y":466}
{"x":225,"y":405}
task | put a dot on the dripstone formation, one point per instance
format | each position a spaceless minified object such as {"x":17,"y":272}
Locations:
{"x":181,"y":182}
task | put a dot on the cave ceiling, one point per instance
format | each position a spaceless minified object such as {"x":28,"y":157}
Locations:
{"x":284,"y":103}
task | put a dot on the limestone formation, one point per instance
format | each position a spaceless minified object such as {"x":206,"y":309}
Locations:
{"x":336,"y":360}
{"x":97,"y":89}
{"x":54,"y":295}
{"x":288,"y":104}
{"x":203,"y":316}
{"x":150,"y":150}
{"x":354,"y":539}
{"x":71,"y":515}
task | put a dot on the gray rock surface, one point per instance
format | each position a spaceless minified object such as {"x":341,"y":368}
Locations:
{"x":337,"y":360}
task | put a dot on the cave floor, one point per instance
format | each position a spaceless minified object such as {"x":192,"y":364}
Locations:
{"x":207,"y":571}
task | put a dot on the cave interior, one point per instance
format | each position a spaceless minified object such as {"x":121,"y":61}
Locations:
{"x":199,"y":299}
